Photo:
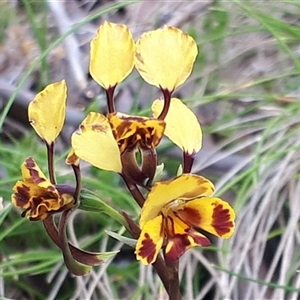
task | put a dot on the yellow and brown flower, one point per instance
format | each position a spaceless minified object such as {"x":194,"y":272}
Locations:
{"x":37,"y":195}
{"x":171,"y":212}
{"x":110,"y":143}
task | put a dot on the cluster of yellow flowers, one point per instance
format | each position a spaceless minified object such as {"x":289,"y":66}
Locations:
{"x":172,"y":209}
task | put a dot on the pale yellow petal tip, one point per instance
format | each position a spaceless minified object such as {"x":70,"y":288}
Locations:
{"x":47,"y":111}
{"x":1,"y":203}
{"x":112,"y":54}
{"x":165,"y":57}
{"x":182,"y":125}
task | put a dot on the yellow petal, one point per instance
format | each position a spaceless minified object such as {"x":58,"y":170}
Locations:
{"x":150,"y":241}
{"x":210,"y":214}
{"x":182,"y":126}
{"x":186,"y":186}
{"x":47,"y":111}
{"x":165,"y":57}
{"x":94,"y":142}
{"x":112,"y":54}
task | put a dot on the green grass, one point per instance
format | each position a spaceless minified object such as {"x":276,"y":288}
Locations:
{"x":248,"y":71}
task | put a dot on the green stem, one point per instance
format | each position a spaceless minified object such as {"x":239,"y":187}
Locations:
{"x":74,"y":266}
{"x":90,"y":202}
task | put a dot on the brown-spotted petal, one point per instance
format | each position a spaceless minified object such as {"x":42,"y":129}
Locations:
{"x":210,"y":214}
{"x":150,"y":241}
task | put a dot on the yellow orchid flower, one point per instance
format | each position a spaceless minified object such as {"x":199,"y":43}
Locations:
{"x":165,"y":57}
{"x":112,"y":54}
{"x":182,"y":126}
{"x":170,"y":212}
{"x":110,"y":143}
{"x":37,"y":195}
{"x":47,"y":111}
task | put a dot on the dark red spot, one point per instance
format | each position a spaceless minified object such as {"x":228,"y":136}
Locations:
{"x":181,"y":243}
{"x":221,"y":220}
{"x":148,"y":249}
{"x":34,"y":174}
{"x":22,"y":196}
{"x":190,"y":216}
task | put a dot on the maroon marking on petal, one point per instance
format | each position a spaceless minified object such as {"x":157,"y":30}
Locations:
{"x":202,"y":241}
{"x":30,"y":165}
{"x":181,"y":243}
{"x":221,"y":220}
{"x":190,"y":216}
{"x":148,"y":249}
{"x":99,"y":128}
{"x":22,"y":195}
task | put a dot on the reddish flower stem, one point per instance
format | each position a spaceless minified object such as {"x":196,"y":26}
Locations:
{"x":135,"y":192}
{"x":77,"y":174}
{"x":167,"y":101}
{"x":110,"y":99}
{"x":50,"y":158}
{"x":173,"y":287}
{"x":188,"y":161}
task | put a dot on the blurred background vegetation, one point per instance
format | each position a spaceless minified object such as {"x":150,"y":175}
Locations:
{"x":245,"y":91}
